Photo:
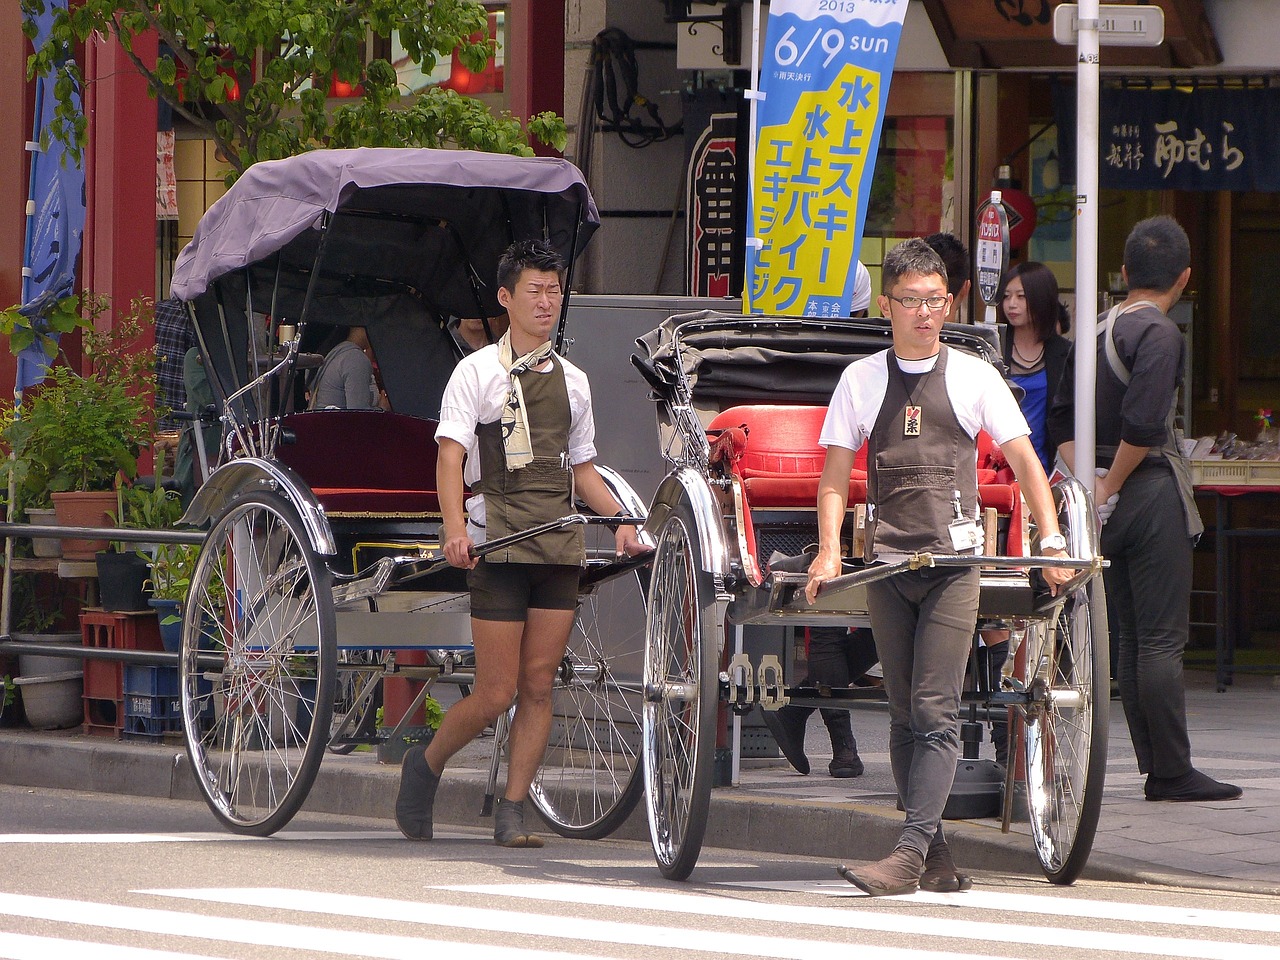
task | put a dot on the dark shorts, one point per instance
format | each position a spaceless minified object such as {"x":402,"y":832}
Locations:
{"x":508,"y":591}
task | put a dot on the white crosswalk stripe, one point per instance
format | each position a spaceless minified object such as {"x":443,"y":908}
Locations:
{"x":513,"y":921}
{"x":19,"y":946}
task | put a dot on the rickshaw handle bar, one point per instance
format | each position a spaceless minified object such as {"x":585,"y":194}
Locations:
{"x":411,"y":569}
{"x":919,"y":560}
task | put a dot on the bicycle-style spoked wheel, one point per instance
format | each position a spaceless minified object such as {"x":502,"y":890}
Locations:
{"x":1065,"y":731}
{"x":357,"y":696}
{"x":256,"y":727}
{"x":589,"y":781}
{"x":681,"y":684}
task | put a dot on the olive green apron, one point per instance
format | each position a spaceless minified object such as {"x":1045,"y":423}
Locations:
{"x":517,"y":500}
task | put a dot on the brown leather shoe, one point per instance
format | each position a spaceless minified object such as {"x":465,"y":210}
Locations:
{"x":940,"y":875}
{"x":896,"y":874}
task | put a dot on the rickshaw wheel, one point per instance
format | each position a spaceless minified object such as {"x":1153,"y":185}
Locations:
{"x":681,"y":686}
{"x":355,"y":690}
{"x":256,"y":727}
{"x":1065,"y":732}
{"x":589,"y":781}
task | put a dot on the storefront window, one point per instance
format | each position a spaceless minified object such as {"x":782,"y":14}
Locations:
{"x":911,"y":190}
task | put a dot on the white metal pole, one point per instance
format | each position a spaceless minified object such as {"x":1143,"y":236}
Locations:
{"x":754,"y":95}
{"x":1086,"y":370}
{"x":735,"y":764}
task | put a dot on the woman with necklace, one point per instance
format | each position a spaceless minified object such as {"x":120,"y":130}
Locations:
{"x":1035,"y":350}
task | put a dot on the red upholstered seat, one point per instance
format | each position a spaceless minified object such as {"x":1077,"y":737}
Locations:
{"x":780,"y":460}
{"x":365,"y":462}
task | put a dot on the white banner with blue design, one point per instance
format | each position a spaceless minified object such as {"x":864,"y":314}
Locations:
{"x":825,"y":79}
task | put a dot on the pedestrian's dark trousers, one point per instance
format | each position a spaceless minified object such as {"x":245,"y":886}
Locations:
{"x":837,"y":657}
{"x":924,"y":622}
{"x":1149,"y":599}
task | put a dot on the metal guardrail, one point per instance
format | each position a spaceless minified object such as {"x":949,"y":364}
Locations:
{"x":152,"y":658}
{"x":123,"y":534}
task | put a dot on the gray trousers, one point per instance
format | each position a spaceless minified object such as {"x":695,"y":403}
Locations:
{"x":923,"y":623}
{"x":1148,"y":600}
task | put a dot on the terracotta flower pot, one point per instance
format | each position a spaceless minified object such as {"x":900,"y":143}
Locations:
{"x":84,"y":509}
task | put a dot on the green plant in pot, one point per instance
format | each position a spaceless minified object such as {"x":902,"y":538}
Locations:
{"x":170,"y":580}
{"x":78,"y":432}
{"x":170,"y":584}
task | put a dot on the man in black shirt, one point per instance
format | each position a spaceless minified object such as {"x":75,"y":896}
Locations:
{"x":1143,"y":490}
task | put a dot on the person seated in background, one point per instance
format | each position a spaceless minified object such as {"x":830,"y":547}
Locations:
{"x":472,"y":333}
{"x":345,"y":380}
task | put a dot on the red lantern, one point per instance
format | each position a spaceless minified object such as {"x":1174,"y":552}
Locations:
{"x":1021,"y":211}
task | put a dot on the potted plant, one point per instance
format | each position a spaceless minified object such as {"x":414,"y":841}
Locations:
{"x":78,"y":432}
{"x":170,"y":579}
{"x":393,"y":751}
{"x":124,"y":572}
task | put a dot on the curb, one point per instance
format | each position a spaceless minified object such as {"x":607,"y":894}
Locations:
{"x":358,"y":787}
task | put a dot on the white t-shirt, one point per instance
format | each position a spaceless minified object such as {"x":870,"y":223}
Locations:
{"x":979,"y":396}
{"x":861,"y":299}
{"x":476,"y":393}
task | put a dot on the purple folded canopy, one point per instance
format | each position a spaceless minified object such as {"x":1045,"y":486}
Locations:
{"x":435,"y":221}
{"x":410,"y":237}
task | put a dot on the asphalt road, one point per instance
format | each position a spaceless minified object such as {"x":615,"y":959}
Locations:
{"x":124,"y":878}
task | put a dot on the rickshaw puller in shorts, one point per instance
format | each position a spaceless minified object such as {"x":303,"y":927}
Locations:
{"x":516,"y":424}
{"x":919,"y":407}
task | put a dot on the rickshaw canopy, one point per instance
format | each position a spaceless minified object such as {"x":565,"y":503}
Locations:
{"x":395,"y":240}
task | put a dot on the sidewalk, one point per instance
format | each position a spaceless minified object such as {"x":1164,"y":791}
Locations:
{"x":1236,"y":845}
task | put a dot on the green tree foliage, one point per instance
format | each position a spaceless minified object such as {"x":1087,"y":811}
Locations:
{"x":254,"y":74}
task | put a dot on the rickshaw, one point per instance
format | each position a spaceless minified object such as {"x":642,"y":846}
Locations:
{"x":322,"y":554}
{"x":740,"y":402}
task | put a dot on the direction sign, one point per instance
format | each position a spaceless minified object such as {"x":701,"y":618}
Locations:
{"x":1119,"y":25}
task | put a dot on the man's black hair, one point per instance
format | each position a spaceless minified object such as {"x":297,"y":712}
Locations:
{"x":528,"y":255}
{"x":910,"y":256}
{"x":954,"y":256}
{"x":1156,"y":253}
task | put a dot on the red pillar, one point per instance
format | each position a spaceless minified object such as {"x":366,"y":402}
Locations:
{"x":119,"y":258}
{"x":534,"y":69}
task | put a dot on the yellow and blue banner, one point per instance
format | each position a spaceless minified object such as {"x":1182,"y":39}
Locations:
{"x":825,"y":79}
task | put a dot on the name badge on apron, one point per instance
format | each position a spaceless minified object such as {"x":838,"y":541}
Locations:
{"x":911,"y":421}
{"x":965,"y":535}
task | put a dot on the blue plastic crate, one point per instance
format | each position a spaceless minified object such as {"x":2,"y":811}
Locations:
{"x":154,"y":727}
{"x":152,"y":708}
{"x":149,"y":681}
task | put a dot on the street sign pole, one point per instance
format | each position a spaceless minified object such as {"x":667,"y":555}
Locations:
{"x":1086,"y":370}
{"x":992,"y":254}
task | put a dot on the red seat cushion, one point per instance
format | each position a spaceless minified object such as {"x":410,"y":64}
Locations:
{"x":780,"y":461}
{"x":371,"y":502}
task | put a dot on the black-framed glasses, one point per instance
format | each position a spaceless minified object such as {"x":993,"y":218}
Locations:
{"x":913,"y":303}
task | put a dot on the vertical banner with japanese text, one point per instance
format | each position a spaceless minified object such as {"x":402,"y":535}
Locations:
{"x":825,"y":76}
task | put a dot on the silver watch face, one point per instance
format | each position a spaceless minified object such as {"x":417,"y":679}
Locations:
{"x":1055,"y":542}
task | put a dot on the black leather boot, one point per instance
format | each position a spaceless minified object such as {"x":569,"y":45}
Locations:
{"x":787,"y":726}
{"x":845,"y":762}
